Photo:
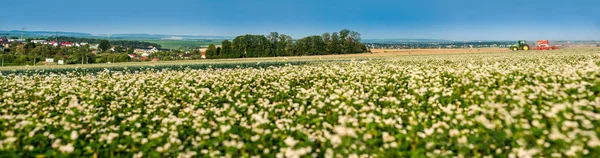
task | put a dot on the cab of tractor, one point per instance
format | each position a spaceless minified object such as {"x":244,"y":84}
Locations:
{"x":521,"y":45}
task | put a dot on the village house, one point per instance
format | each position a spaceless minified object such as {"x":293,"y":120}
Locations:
{"x":66,"y":44}
{"x":17,"y":40}
{"x":202,"y":49}
{"x":39,"y":41}
{"x":4,"y":42}
{"x":185,"y":56}
{"x":94,"y":46}
{"x":1,"y":49}
{"x":53,"y":43}
{"x":114,"y":50}
{"x":146,"y":54}
{"x":145,"y":50}
{"x":132,"y":55}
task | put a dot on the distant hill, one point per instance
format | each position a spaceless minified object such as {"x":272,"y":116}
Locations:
{"x":29,"y":34}
{"x":392,"y":41}
{"x":17,"y":33}
{"x":168,"y":37}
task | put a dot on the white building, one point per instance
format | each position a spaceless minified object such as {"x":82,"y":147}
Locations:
{"x":94,"y":46}
{"x":146,"y":54}
{"x":16,"y":40}
{"x":39,"y":41}
{"x":145,"y":50}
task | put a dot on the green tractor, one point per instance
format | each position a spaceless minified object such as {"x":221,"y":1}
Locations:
{"x":521,"y":45}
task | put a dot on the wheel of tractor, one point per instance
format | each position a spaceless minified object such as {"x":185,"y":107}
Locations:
{"x":514,"y":48}
{"x":525,"y":47}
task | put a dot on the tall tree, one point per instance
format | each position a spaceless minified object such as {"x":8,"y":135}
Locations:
{"x":118,"y":49}
{"x":211,"y":52}
{"x":130,"y":50}
{"x":274,"y":43}
{"x":104,"y":45}
{"x":273,"y":37}
{"x":289,"y":45}
{"x":335,"y":47}
{"x":252,"y":46}
{"x":227,"y":50}
{"x":327,"y":39}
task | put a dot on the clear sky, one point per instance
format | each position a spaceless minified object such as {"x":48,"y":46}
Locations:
{"x":424,"y":19}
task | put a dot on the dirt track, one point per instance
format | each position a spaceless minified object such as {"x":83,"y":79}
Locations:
{"x":400,"y":52}
{"x":435,"y":51}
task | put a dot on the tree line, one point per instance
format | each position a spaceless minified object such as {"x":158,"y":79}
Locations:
{"x":244,"y":46}
{"x":275,"y":44}
{"x":31,"y":53}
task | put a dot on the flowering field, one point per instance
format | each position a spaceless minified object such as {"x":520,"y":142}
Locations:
{"x":471,"y":105}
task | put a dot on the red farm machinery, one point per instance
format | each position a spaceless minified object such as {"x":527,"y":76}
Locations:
{"x":540,"y":45}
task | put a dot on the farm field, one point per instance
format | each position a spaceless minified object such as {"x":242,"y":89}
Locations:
{"x":485,"y":103}
{"x":176,"y":44}
{"x":377,"y":54}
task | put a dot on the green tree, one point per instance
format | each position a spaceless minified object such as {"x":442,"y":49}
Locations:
{"x":124,"y":57}
{"x":335,"y":47}
{"x":118,"y":49}
{"x":130,"y":50}
{"x":273,"y":43}
{"x":284,"y":45}
{"x":227,"y":50}
{"x":252,"y":46}
{"x":327,"y":40}
{"x":104,"y":45}
{"x":211,"y":52}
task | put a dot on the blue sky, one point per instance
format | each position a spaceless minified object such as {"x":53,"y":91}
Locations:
{"x":431,"y":19}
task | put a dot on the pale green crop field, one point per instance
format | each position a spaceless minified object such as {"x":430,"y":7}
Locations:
{"x":176,"y":44}
{"x":524,"y":104}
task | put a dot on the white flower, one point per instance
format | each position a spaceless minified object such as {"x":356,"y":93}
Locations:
{"x":74,"y":135}
{"x":56,"y":143}
{"x":335,"y":140}
{"x":138,"y":155}
{"x":67,"y":148}
{"x":290,"y":142}
{"x":255,"y":138}
{"x":462,"y":140}
{"x":9,"y":133}
{"x":453,"y":132}
{"x":344,"y":131}
{"x":387,"y":137}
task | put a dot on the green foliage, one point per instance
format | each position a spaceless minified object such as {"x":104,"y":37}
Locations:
{"x":104,"y":45}
{"x":211,"y":52}
{"x":252,"y":46}
{"x":227,"y":50}
{"x":276,"y":44}
{"x":118,"y":49}
{"x":112,"y":58}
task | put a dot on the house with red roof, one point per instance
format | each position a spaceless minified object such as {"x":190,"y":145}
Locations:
{"x":53,"y":43}
{"x":66,"y":44}
{"x":133,"y":55}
